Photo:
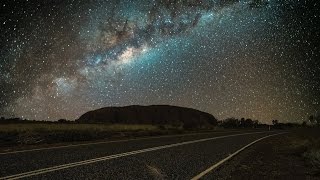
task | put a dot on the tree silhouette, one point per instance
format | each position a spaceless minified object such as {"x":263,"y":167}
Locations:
{"x":255,"y":123}
{"x":317,"y":119}
{"x":311,"y":119}
{"x":304,"y":123}
{"x":248,"y":123}
{"x":242,"y":122}
{"x":231,"y":123}
{"x":275,"y":122}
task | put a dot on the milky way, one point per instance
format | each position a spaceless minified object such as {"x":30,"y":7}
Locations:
{"x":257,"y":59}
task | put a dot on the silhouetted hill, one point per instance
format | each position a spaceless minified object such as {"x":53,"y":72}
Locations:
{"x":155,"y":114}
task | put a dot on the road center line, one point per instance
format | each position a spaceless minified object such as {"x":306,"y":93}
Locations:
{"x":230,"y":156}
{"x":90,"y":161}
{"x":107,"y":142}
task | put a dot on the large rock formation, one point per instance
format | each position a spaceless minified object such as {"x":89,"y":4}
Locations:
{"x":155,"y":114}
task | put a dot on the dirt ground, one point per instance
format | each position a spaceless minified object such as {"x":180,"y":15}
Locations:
{"x":278,"y":157}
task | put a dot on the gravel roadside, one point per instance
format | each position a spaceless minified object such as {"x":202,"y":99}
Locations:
{"x":272,"y":158}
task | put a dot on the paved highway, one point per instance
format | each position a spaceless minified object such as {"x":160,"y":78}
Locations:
{"x":167,"y":157}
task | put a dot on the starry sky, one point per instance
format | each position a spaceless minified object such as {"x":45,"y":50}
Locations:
{"x":257,"y":59}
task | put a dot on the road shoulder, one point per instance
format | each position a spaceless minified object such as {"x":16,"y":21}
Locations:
{"x":272,"y":158}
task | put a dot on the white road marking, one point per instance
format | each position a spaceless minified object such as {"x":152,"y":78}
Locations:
{"x":107,"y":142}
{"x":229,"y":157}
{"x":90,"y":161}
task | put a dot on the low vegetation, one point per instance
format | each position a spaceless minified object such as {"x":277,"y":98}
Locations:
{"x":44,"y":133}
{"x":307,"y":142}
{"x":54,"y":127}
{"x":16,"y":131}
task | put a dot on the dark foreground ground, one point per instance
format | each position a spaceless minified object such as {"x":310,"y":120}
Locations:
{"x":115,"y":160}
{"x":285,"y":156}
{"x":293,"y":156}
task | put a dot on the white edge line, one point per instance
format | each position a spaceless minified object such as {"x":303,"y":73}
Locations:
{"x":90,"y":161}
{"x":107,"y":142}
{"x":213,"y":167}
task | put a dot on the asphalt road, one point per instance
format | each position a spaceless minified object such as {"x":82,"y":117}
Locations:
{"x":168,"y":157}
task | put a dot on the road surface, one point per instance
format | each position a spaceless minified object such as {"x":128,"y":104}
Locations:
{"x":167,"y":157}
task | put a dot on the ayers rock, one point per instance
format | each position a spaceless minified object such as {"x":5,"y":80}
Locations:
{"x":155,"y":114}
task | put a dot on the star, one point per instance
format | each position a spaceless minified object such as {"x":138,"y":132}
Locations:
{"x":248,"y":58}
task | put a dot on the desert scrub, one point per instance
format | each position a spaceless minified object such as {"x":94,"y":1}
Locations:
{"x":35,"y":133}
{"x":313,"y":157}
{"x":308,"y":141}
{"x":312,"y":153}
{"x":46,"y":127}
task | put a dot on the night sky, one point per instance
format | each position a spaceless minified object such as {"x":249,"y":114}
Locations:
{"x":256,"y":59}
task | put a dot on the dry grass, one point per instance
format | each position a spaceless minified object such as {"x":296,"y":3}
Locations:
{"x":313,"y":156}
{"x":46,"y":133}
{"x":38,"y":127}
{"x":308,"y":141}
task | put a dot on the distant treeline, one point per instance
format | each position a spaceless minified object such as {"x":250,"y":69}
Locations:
{"x":236,"y":123}
{"x":249,"y":123}
{"x":314,"y":119}
{"x":227,"y":123}
{"x":4,"y":120}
